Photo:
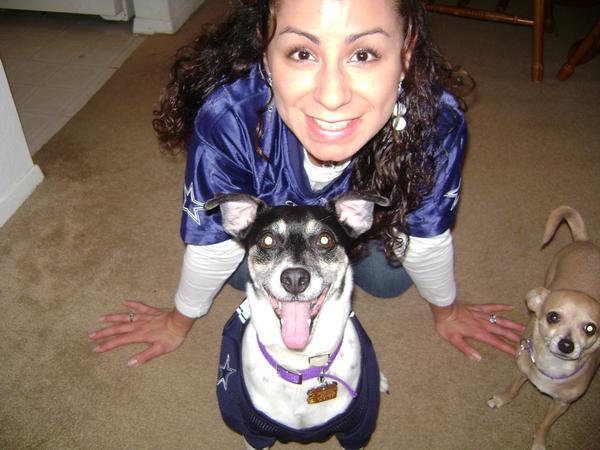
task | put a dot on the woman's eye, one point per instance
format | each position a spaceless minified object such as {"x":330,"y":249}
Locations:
{"x":553,"y":317}
{"x":365,"y":55}
{"x":267,"y":241}
{"x":301,"y":54}
{"x":325,"y":241}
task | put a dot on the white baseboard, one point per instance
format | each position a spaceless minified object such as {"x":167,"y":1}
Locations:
{"x":19,"y":193}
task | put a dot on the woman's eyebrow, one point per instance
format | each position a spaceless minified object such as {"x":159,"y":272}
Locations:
{"x":292,"y":30}
{"x":350,"y":39}
{"x":357,"y":36}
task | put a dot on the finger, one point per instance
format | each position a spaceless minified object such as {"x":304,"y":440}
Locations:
{"x":111,"y":331}
{"x":500,"y":330}
{"x":492,"y":307}
{"x":145,"y":356}
{"x":465,"y":348}
{"x":493,"y":341}
{"x":120,"y":317}
{"x":118,"y":341}
{"x":508,"y":324}
{"x":140,"y":307}
{"x":502,"y":321}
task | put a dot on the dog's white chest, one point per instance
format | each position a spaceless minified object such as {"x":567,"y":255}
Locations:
{"x":287,"y":402}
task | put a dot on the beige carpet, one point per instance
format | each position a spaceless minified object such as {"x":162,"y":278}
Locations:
{"x":104,"y":227}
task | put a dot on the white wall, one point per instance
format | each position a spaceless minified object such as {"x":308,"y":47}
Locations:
{"x":18,"y":175}
{"x":162,"y":16}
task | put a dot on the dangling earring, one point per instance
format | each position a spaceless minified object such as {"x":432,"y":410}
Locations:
{"x":398,"y":121}
{"x":269,"y":82}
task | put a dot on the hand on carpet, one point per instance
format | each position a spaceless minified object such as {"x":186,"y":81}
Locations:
{"x":461,"y":321}
{"x":163,"y":330}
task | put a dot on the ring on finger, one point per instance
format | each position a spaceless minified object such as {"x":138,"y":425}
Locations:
{"x":493,"y":319}
{"x":131,"y":316}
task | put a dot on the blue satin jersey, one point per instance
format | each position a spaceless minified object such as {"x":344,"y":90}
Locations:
{"x":222,"y":158}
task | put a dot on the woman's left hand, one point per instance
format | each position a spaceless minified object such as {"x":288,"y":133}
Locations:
{"x":461,"y":321}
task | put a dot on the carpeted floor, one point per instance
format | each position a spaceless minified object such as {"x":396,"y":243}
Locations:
{"x":104,"y":224}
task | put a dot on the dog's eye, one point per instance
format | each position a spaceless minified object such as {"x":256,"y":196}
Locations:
{"x":325,"y":241}
{"x":590,"y":329}
{"x":266,"y":241}
{"x":553,"y":317}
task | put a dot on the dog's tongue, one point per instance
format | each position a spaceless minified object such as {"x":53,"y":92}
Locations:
{"x":295,"y":329}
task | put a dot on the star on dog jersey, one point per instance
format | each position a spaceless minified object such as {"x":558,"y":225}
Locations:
{"x":191,"y":206}
{"x":225,"y":371}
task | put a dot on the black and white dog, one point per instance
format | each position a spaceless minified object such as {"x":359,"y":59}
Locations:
{"x":296,"y":365}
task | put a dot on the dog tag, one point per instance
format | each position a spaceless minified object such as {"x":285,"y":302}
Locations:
{"x":322,"y":393}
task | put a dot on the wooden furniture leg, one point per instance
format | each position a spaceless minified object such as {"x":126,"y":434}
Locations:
{"x":593,"y":38}
{"x":537,"y":67}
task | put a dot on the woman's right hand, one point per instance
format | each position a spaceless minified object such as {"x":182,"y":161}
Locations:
{"x":164,"y":330}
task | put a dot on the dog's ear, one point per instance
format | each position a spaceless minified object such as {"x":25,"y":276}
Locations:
{"x":536,"y":298}
{"x":354,"y":211}
{"x":238,"y":212}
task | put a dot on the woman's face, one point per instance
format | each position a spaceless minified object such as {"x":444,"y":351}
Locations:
{"x":336,"y":65}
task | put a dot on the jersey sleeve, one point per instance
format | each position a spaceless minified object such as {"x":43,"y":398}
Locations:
{"x":219,"y":154}
{"x":437,"y":211}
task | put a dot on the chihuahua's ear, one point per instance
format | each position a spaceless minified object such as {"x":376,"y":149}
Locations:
{"x":238,"y":211}
{"x":354,"y":211}
{"x":536,"y":298}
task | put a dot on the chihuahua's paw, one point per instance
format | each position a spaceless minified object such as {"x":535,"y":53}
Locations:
{"x":496,"y":401}
{"x":384,"y":384}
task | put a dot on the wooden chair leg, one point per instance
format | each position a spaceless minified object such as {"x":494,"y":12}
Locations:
{"x":537,"y":68}
{"x":590,"y":40}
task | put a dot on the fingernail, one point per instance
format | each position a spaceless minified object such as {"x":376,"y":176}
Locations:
{"x":97,"y":349}
{"x":476,"y":357}
{"x":133,"y":363}
{"x":92,"y":334}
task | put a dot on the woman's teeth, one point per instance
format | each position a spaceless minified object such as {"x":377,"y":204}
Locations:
{"x":332,"y":126}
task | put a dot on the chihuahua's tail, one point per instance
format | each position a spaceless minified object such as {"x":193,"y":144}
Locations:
{"x":573,"y":219}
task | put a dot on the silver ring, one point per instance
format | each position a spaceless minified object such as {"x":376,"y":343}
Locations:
{"x":493,"y":319}
{"x":131,"y":316}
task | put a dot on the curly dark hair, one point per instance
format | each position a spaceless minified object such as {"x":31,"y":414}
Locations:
{"x":395,"y":165}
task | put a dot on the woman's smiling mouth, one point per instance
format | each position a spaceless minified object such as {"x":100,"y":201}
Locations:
{"x":331,"y":131}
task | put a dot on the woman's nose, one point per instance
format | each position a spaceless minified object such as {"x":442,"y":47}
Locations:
{"x":332,"y":88}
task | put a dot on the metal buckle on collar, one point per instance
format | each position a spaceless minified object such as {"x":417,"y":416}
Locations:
{"x":292,"y":376}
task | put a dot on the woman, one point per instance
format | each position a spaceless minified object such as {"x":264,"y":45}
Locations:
{"x":297,"y":102}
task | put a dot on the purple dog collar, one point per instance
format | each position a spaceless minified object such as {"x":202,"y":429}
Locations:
{"x":529,"y":348}
{"x":298,"y":376}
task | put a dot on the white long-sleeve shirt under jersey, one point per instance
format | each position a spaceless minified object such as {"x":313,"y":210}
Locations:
{"x":428,"y":261}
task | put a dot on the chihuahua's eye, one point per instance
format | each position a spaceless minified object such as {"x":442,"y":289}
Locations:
{"x":553,"y":317}
{"x":266,"y":241}
{"x":590,"y":329}
{"x":325,"y":241}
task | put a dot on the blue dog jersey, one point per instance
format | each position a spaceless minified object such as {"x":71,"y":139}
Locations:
{"x":353,"y":428}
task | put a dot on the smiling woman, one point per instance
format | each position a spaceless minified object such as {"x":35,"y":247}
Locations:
{"x":335,"y":80}
{"x":297,"y":102}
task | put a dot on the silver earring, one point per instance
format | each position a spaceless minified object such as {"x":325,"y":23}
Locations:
{"x":398,"y":120}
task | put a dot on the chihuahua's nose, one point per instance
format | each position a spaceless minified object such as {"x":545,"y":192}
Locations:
{"x":295,"y":280}
{"x":566,"y":346}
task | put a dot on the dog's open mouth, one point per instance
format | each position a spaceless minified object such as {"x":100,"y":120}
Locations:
{"x":296,"y":318}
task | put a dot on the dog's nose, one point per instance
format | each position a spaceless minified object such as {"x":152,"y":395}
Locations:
{"x":566,"y":346}
{"x":295,"y":280}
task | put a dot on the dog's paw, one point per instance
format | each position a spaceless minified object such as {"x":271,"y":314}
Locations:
{"x":384,"y":384}
{"x":495,"y":402}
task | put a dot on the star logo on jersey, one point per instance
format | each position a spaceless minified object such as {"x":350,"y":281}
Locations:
{"x":191,"y":206}
{"x":453,"y":193}
{"x":225,"y":371}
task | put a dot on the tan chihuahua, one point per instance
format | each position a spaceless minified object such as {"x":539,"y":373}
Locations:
{"x":560,"y":355}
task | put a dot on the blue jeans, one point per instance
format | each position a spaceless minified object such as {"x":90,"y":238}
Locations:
{"x":372,"y":273}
